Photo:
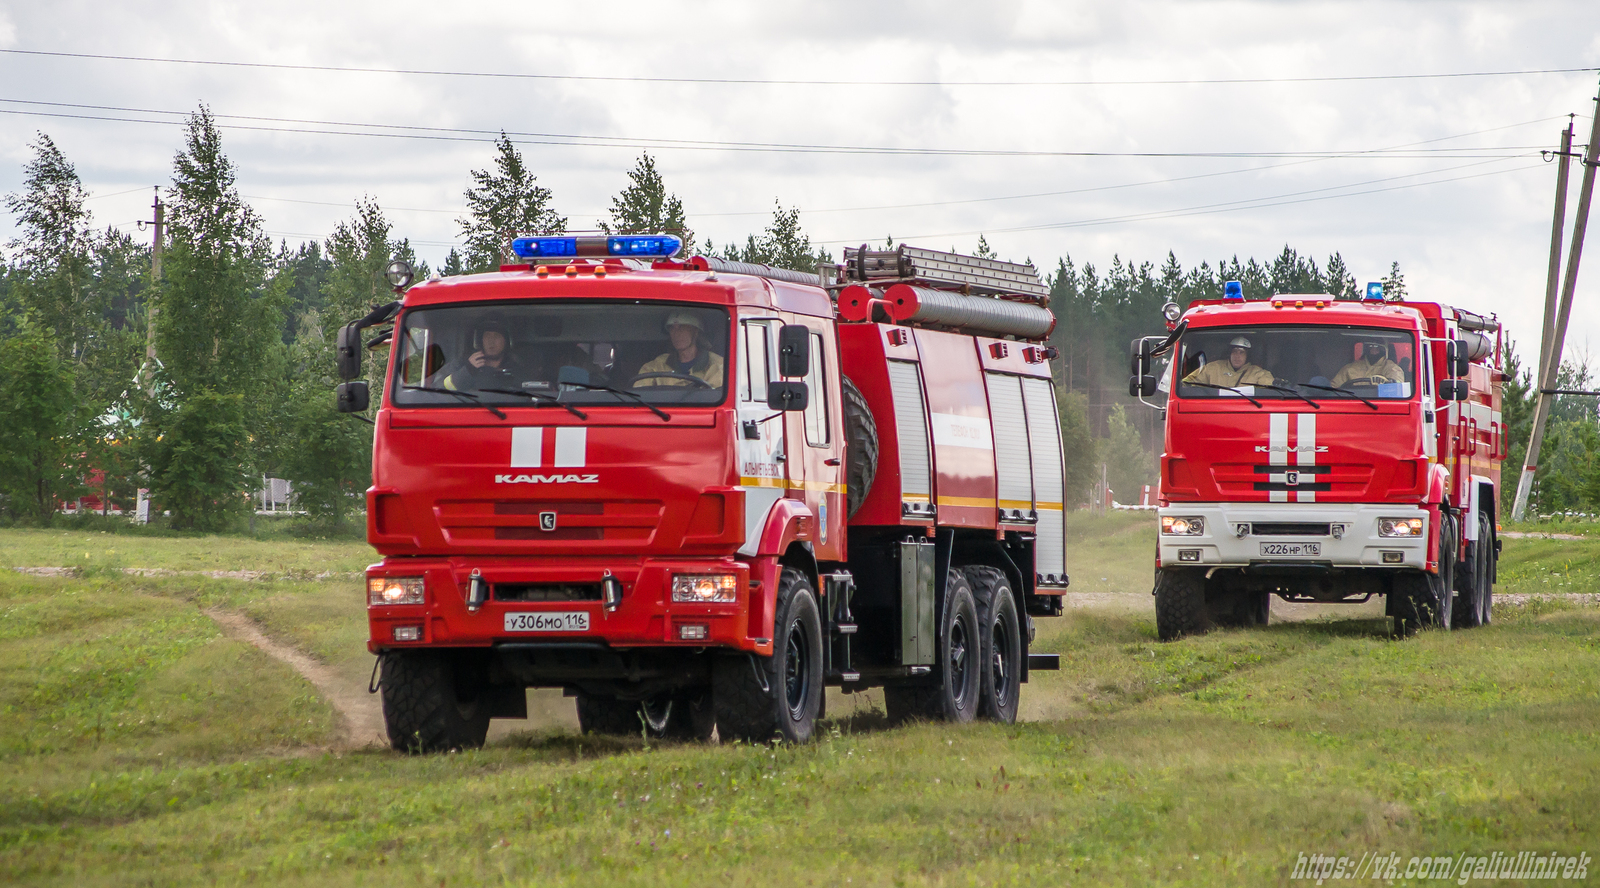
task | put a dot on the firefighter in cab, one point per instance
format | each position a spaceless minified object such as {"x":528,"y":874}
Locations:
{"x":689,"y":361}
{"x":1235,"y":371}
{"x":1373,"y":368}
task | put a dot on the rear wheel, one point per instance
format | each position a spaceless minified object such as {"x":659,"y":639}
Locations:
{"x":434,"y":701}
{"x":1180,"y":603}
{"x":761,"y":698}
{"x":1486,"y":562}
{"x":953,"y":695}
{"x":1000,"y":685}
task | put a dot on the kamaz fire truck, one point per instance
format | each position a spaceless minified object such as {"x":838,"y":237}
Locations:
{"x":1339,"y":450}
{"x":694,"y":493}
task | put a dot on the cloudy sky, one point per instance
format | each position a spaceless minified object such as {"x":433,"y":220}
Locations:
{"x":1052,"y":127}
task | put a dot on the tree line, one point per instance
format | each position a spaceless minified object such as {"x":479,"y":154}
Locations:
{"x":198,"y":381}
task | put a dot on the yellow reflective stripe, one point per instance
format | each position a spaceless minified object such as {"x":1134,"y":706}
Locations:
{"x":1049,"y":507}
{"x":820,"y":486}
{"x":1016,"y":504}
{"x":980,"y":501}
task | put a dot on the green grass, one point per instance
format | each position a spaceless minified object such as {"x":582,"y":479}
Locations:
{"x":1111,"y":553}
{"x":96,"y":552}
{"x":1211,"y":761}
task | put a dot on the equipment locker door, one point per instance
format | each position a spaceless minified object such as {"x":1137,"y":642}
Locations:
{"x":1044,"y":442}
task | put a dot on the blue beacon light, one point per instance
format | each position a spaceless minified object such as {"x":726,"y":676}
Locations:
{"x":1233,"y":290}
{"x":632,"y":246}
{"x":1375,"y":291}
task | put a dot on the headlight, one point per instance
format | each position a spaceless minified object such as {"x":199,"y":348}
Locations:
{"x":1182,"y":526}
{"x":704,"y":587}
{"x":394,"y":590}
{"x":1409,"y":528}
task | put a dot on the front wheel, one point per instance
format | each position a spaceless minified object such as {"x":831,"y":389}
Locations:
{"x":433,"y":701}
{"x":762,"y":698}
{"x":1180,"y":603}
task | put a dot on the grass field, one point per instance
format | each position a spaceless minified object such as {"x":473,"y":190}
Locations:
{"x":139,"y":746}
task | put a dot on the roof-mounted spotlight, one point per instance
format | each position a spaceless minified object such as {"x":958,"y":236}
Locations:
{"x":400,"y":274}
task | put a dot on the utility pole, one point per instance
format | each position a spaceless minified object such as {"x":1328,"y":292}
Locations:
{"x":155,"y":281}
{"x":1552,"y":354}
{"x":1547,"y":338}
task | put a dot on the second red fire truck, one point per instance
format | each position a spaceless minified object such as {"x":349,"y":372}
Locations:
{"x":694,"y":493}
{"x":1322,"y":450}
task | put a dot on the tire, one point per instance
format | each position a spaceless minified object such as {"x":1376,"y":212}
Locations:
{"x":1181,"y":604}
{"x":607,"y":716}
{"x":953,"y":695}
{"x":1427,"y":599}
{"x":1487,"y":567}
{"x":433,"y":701}
{"x":1472,"y":610}
{"x":861,"y":446}
{"x":1257,"y":608}
{"x":758,"y":699}
{"x":1000,"y":681}
{"x":682,"y":716}
{"x":1444,"y":582}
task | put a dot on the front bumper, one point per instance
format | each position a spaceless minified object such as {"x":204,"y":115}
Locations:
{"x":646,"y":617}
{"x":1358,"y":546}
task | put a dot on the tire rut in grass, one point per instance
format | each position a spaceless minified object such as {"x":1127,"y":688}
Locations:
{"x":360,"y":713}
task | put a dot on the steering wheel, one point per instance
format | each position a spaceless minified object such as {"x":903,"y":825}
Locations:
{"x":685,"y":376}
{"x":1368,"y":380}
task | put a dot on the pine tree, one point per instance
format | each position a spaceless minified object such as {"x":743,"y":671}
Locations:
{"x":983,"y":251}
{"x":645,"y":207}
{"x":218,"y":329}
{"x":1338,"y":279}
{"x":452,"y":264}
{"x":504,"y":203}
{"x":783,"y":244}
{"x":1394,"y":284}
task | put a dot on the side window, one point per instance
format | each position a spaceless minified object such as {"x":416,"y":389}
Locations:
{"x":754,"y":352}
{"x":816,"y":413}
{"x":413,"y":370}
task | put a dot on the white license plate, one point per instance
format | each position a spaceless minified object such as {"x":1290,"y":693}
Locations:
{"x":548,"y":621}
{"x":1291,"y":549}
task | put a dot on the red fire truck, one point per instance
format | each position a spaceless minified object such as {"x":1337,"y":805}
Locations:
{"x":1325,"y":451}
{"x":694,"y":493}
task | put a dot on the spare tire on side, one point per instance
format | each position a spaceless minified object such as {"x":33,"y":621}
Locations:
{"x":861,"y":446}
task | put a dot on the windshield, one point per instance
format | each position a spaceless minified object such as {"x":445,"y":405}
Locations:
{"x":561,"y":353}
{"x":1295,"y":362}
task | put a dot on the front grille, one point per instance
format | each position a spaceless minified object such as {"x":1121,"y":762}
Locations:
{"x":1288,"y":528}
{"x":546,"y":591}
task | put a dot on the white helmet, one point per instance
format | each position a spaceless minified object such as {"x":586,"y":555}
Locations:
{"x":1239,"y":342}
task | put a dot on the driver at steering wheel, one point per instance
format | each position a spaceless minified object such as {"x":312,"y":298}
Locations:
{"x":1375,"y":367}
{"x":689,"y":356}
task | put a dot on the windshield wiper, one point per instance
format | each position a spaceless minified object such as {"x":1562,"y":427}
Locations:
{"x":468,"y":395}
{"x":665,"y":416}
{"x":542,"y":398}
{"x":1224,"y":388}
{"x":1346,"y":392}
{"x":1279,"y":388}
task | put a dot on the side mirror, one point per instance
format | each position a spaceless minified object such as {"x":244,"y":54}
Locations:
{"x":1453,"y":390}
{"x":787,"y":395}
{"x":351,"y":397}
{"x":794,"y":350}
{"x":1455,"y":358}
{"x":347,"y":352}
{"x":1140,"y":383}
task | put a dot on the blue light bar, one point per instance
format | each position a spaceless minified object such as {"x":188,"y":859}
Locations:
{"x":1233,"y":290}
{"x":1375,"y":291}
{"x":631,"y":246}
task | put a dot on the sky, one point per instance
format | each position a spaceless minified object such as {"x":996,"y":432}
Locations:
{"x":1053,"y":128}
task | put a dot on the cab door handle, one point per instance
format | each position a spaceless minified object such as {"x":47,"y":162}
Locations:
{"x":831,"y":461}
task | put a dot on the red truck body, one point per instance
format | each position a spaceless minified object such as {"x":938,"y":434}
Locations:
{"x":576,"y":511}
{"x":1298,"y":488}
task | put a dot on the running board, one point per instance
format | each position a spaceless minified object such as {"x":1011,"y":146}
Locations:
{"x":1044,"y":662}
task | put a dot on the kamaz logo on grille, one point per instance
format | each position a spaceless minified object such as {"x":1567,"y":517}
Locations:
{"x":1279,"y":448}
{"x":547,"y":479}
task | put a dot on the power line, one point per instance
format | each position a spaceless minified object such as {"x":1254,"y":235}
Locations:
{"x":731,"y":81}
{"x":1207,"y":209}
{"x":448,"y":134}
